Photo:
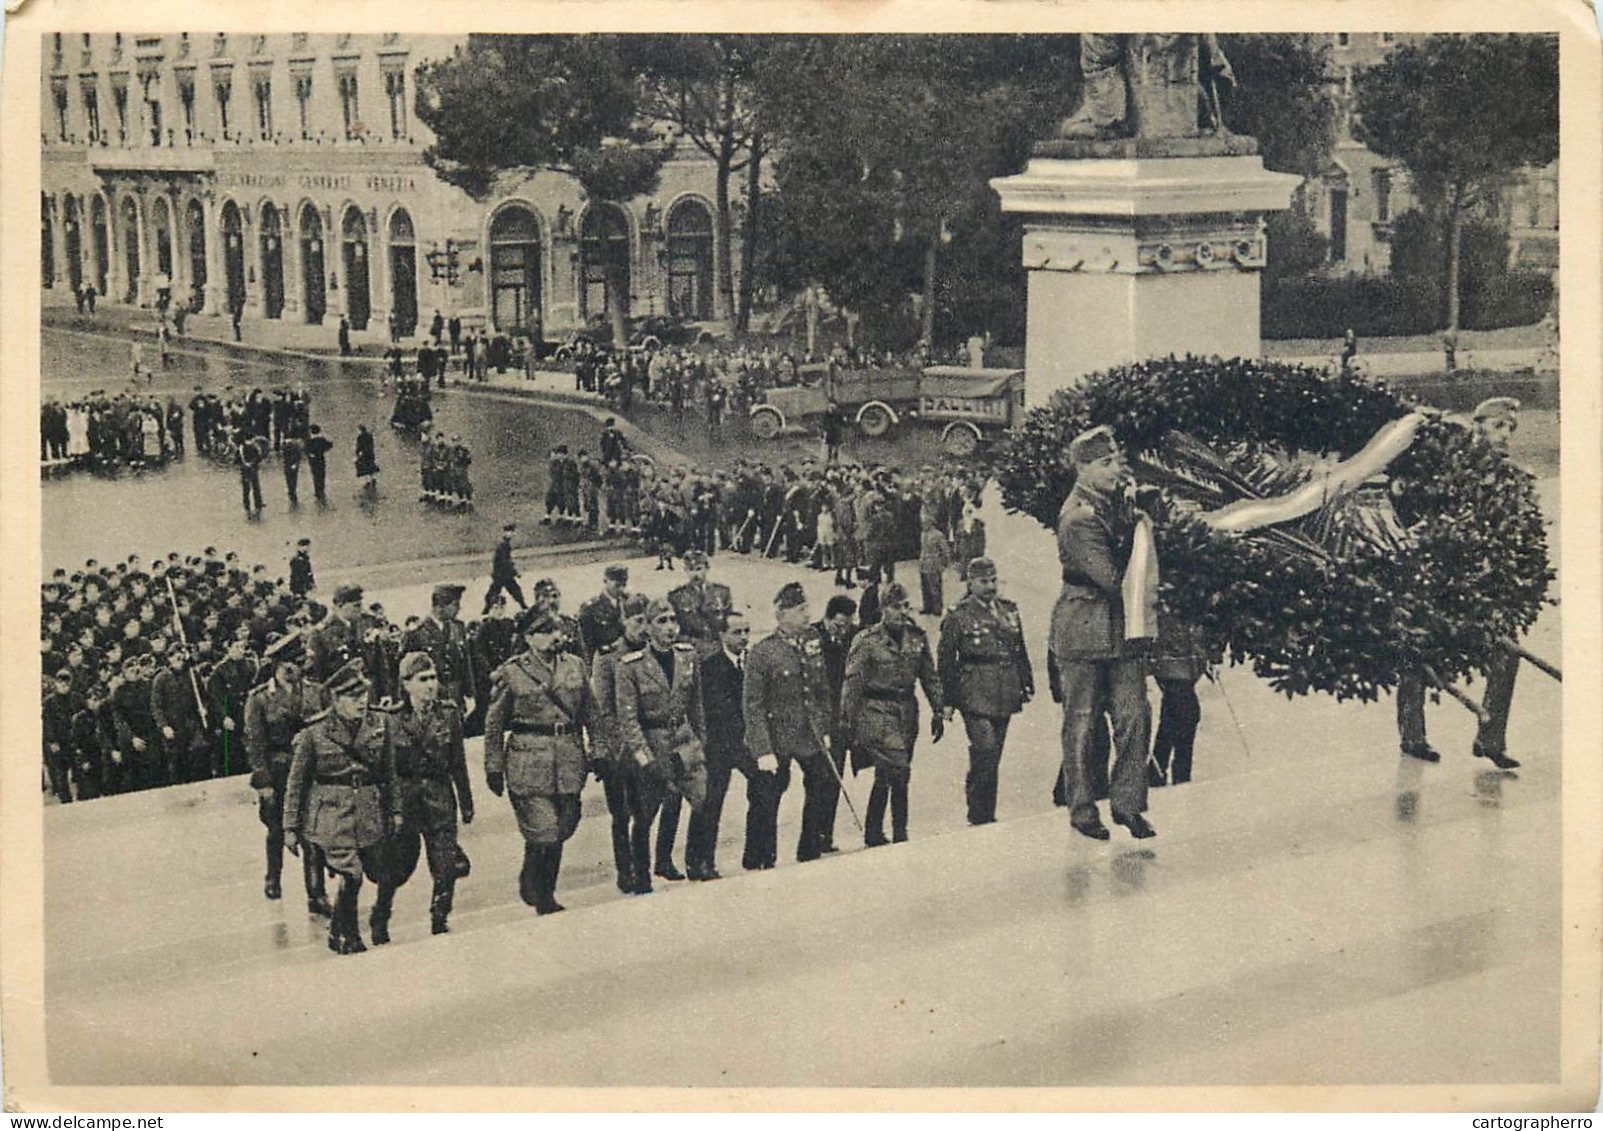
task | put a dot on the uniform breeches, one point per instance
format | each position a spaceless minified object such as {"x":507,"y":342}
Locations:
{"x":428,"y":823}
{"x":986,"y":735}
{"x":545,"y":820}
{"x":271,"y":814}
{"x":820,"y":787}
{"x":1118,"y":687}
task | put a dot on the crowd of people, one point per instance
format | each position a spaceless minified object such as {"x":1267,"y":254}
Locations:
{"x":103,"y":431}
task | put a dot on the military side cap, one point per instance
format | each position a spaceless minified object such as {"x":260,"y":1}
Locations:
{"x":538,"y":620}
{"x":1494,"y":407}
{"x":351,"y":677}
{"x":657,"y":608}
{"x":304,"y":542}
{"x":982,"y":567}
{"x":546,"y":585}
{"x":790,"y":595}
{"x":616,"y":573}
{"x":1092,"y":445}
{"x":415,"y":663}
{"x":346,"y":594}
{"x":636,"y":604}
{"x":445,"y":594}
{"x":695,"y":559}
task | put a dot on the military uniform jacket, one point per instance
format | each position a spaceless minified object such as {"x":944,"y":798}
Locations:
{"x":879,"y":712}
{"x":984,"y":665}
{"x":428,"y":747}
{"x":172,"y":703}
{"x":532,"y":727}
{"x":273,"y":717}
{"x":703,"y":610}
{"x":600,"y":623}
{"x":658,"y":717}
{"x":342,"y":788}
{"x":334,"y":643}
{"x":447,"y":646}
{"x":786,"y":697}
{"x":1094,"y":538}
{"x":604,"y":694}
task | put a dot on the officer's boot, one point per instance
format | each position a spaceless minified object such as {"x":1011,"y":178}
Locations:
{"x":640,"y":850}
{"x":273,"y":888}
{"x":553,"y":869}
{"x":440,"y":905}
{"x":344,"y":932}
{"x":379,"y":920}
{"x":312,"y":873}
{"x":899,"y":811}
{"x":874,"y":821}
{"x":529,"y":878}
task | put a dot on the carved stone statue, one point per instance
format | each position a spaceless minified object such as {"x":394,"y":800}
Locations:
{"x":1149,"y":85}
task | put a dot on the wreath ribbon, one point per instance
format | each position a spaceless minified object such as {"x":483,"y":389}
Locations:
{"x":1391,"y":441}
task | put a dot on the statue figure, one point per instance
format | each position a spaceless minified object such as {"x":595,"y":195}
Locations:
{"x":1149,"y":85}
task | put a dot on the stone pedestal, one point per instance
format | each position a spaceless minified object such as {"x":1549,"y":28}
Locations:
{"x":1140,"y":248}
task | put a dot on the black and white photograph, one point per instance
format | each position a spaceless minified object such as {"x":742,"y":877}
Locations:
{"x":956,"y":557}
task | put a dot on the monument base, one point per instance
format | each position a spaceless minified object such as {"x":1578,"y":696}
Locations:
{"x":1140,"y":248}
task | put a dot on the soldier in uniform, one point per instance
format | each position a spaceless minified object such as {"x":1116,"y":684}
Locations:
{"x":701,"y":606}
{"x":504,"y":573}
{"x":616,"y":778}
{"x":228,"y":688}
{"x":301,"y":579}
{"x":61,"y":705}
{"x":880,"y":712}
{"x":341,"y":795}
{"x":1097,"y":668}
{"x":601,"y":617}
{"x":445,"y":639}
{"x":548,"y":597}
{"x":274,"y":714}
{"x":785,"y":701}
{"x":661,"y":727}
{"x":534,"y":751}
{"x":340,"y":638}
{"x":175,"y":707}
{"x":431,"y":775}
{"x":985,"y":673}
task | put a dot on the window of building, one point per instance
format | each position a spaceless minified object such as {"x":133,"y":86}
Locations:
{"x":1388,"y":36}
{"x":186,"y":99}
{"x":303,"y":99}
{"x":60,"y":93}
{"x":1380,"y":181}
{"x":349,"y":106}
{"x":224,"y":89}
{"x":262,"y":88}
{"x":395,"y":91}
{"x":91,"y":111}
{"x":152,"y":96}
{"x":119,"y":97}
{"x":1343,"y":39}
{"x":55,"y":52}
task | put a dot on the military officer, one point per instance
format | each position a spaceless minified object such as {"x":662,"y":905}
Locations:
{"x":616,"y":777}
{"x":534,"y":751}
{"x":661,"y":728}
{"x":339,"y":638}
{"x":445,"y":639}
{"x":431,"y":785}
{"x":985,"y":673}
{"x":701,"y":606}
{"x":341,"y":795}
{"x":275,"y":712}
{"x":880,"y":712}
{"x":601,"y":617}
{"x":1098,"y":669}
{"x":785,"y":702}
{"x":547,"y":596}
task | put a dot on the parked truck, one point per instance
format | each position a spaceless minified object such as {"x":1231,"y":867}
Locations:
{"x":970,"y":406}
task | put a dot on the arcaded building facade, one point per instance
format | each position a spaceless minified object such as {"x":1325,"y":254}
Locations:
{"x":283,"y":175}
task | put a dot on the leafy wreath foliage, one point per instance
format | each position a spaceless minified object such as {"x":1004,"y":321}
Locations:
{"x":1331,"y":603}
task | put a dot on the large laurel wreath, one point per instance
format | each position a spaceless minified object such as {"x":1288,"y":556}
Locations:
{"x":1436,"y":569}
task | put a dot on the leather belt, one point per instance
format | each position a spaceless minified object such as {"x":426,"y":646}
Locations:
{"x":350,"y":781}
{"x":549,"y":730}
{"x":888,"y":696}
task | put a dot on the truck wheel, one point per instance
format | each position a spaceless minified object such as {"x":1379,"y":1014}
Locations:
{"x":960,"y":441}
{"x":874,"y":422}
{"x":765,"y":424}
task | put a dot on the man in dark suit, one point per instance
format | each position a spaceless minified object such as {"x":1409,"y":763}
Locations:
{"x":723,"y":678}
{"x":835,"y":632}
{"x":1098,"y":669}
{"x":601,"y":617}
